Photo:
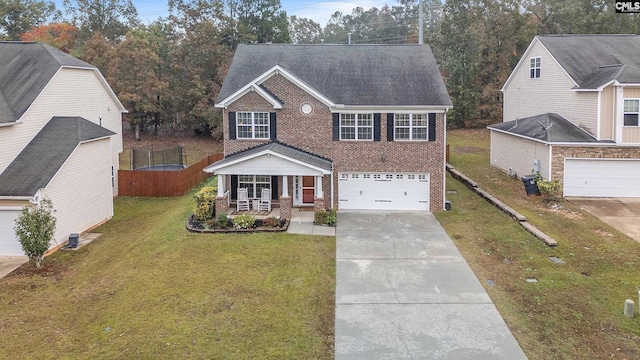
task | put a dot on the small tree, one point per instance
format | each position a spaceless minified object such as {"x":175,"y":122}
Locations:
{"x":35,"y":228}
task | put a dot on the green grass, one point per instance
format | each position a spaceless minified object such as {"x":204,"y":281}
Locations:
{"x":575,"y":310}
{"x":149,"y":289}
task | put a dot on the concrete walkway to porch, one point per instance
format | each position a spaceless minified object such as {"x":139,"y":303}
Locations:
{"x":302,"y":223}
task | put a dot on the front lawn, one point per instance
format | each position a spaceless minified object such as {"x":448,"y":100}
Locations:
{"x":149,"y":289}
{"x":574,"y":311}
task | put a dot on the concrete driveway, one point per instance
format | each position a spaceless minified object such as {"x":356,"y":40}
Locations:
{"x":10,"y":263}
{"x":621,"y":213}
{"x":404,"y":291}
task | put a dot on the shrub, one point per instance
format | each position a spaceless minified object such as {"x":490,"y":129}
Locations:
{"x":205,"y":203}
{"x":332,"y":217}
{"x":222,"y":220}
{"x":549,"y":189}
{"x":320,"y":217}
{"x":325,"y":217}
{"x":35,"y":228}
{"x":244,"y":221}
{"x":271,"y":222}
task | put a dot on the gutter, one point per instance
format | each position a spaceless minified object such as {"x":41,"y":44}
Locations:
{"x":555,"y":143}
{"x":10,"y":124}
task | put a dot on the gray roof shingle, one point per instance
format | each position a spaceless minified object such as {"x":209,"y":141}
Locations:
{"x":25,"y":69}
{"x":384,"y":75}
{"x":41,"y":159}
{"x":549,"y":127}
{"x":282,"y":149}
{"x":591,"y":60}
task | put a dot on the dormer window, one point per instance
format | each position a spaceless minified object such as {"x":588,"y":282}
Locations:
{"x":534,"y":68}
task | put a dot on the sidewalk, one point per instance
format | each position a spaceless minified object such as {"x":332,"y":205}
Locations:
{"x":302,"y":223}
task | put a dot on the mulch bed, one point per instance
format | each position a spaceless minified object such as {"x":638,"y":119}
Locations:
{"x":194,"y":225}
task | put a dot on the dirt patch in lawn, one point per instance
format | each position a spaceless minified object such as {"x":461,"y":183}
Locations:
{"x":49,"y":269}
{"x":468,"y":149}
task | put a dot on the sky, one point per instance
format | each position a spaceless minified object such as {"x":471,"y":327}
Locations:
{"x":319,"y":10}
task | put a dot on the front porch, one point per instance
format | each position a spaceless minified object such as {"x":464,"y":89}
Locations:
{"x":261,"y":215}
{"x":295,"y":179}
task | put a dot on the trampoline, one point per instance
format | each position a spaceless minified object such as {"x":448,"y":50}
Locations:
{"x":163,"y":167}
{"x":171,"y":159}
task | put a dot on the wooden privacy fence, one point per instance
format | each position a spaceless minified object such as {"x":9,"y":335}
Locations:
{"x":164,"y":183}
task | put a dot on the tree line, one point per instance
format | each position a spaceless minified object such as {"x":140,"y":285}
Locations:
{"x":168,"y":72}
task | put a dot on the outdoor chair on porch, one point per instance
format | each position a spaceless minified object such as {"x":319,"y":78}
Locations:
{"x":242,"y":203}
{"x":264,"y":204}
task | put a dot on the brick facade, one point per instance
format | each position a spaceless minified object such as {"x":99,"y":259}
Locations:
{"x":559,"y":153}
{"x":313,"y":133}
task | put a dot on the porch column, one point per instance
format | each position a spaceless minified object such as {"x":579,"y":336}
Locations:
{"x":285,"y":186}
{"x":221,"y":189}
{"x":319,"y":193}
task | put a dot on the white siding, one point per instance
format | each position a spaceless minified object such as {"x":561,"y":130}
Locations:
{"x":81,"y":190}
{"x":268,"y":165}
{"x":72,"y":92}
{"x":518,"y":154}
{"x":550,"y":93}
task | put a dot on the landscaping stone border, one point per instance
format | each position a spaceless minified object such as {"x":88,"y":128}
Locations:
{"x":190,"y":228}
{"x":521,"y":219}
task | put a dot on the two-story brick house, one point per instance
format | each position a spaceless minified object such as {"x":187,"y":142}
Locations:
{"x":334,"y":126}
{"x":571,"y":113}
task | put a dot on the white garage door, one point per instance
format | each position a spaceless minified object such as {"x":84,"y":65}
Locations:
{"x":9,"y":244}
{"x":602,"y":178}
{"x":383,"y":191}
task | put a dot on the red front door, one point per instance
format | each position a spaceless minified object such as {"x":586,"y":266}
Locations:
{"x":308,"y":189}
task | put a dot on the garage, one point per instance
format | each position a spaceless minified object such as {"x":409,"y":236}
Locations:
{"x":383,"y":191}
{"x":602,"y":177}
{"x":9,"y":244}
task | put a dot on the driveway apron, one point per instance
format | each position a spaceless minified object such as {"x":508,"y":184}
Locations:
{"x":404,"y":291}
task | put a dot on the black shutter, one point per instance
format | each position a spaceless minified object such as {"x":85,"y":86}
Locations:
{"x":234,"y":187}
{"x":336,"y":126}
{"x":390,"y":124}
{"x":272,"y":126}
{"x":274,"y":188}
{"x":376,"y":127}
{"x":432,"y":127}
{"x":232,"y":126}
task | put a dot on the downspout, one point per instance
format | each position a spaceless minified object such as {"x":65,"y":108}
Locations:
{"x":550,"y":162}
{"x":444,"y":171}
{"x":332,"y":186}
{"x":619,"y":114}
{"x":598,"y":117}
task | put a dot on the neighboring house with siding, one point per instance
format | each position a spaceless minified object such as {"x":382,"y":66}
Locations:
{"x":60,"y":137}
{"x":572,"y":113}
{"x":334,"y":126}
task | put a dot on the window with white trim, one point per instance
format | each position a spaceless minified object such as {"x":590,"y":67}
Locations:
{"x":631,"y":112}
{"x":411,"y":126}
{"x":356,"y":126}
{"x":534,"y":67}
{"x":254,"y":184}
{"x":252,"y":125}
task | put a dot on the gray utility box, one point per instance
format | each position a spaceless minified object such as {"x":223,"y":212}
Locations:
{"x":73,"y":241}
